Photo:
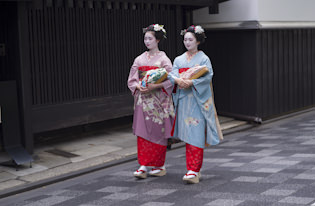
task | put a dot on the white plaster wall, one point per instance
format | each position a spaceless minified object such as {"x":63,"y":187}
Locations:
{"x":233,"y":10}
{"x":286,"y":10}
{"x":259,"y":10}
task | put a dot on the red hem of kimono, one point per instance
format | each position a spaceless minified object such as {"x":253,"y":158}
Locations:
{"x":194,"y":157}
{"x":150,"y":154}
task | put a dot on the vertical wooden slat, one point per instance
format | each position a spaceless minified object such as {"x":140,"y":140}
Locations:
{"x":107,"y":16}
{"x":291,"y":68}
{"x":281,"y":72}
{"x":63,"y":57}
{"x":81,"y":43}
{"x":52,"y":54}
{"x":275,"y":73}
{"x":72,"y":56}
{"x":265,"y":97}
{"x":285,"y":95}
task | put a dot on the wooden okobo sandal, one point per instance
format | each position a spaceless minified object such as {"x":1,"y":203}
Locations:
{"x":158,"y":172}
{"x":191,"y":178}
{"x":141,"y":174}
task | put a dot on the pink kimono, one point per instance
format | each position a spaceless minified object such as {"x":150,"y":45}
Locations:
{"x":153,"y":111}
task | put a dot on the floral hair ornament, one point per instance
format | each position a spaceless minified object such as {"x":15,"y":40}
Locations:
{"x":156,"y":27}
{"x":197,"y":30}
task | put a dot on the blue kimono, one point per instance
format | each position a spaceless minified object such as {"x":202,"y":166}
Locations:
{"x":194,"y":107}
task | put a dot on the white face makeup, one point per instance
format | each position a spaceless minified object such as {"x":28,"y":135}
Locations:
{"x":190,"y":42}
{"x":150,"y":41}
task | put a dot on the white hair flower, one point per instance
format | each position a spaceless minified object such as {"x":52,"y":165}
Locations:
{"x":199,"y":30}
{"x":158,"y":27}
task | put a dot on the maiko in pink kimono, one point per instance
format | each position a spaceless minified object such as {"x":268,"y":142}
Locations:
{"x":153,"y":106}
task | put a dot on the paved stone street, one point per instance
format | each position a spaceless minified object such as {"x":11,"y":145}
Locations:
{"x":272,"y":164}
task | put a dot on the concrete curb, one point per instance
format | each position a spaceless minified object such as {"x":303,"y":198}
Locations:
{"x":30,"y":186}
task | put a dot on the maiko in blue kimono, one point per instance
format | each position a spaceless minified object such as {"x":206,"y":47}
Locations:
{"x":196,"y":119}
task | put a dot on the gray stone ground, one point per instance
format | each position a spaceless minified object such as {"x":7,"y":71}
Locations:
{"x":91,"y":149}
{"x":272,"y":164}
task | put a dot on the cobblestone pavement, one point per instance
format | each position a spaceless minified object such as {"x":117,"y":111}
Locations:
{"x":273,"y":164}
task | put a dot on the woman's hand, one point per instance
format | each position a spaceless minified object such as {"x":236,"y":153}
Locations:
{"x":187,"y":83}
{"x":151,"y":87}
{"x":143,"y":90}
{"x":154,"y":86}
{"x":183,"y":83}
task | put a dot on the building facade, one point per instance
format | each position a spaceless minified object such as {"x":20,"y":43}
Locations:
{"x":263,"y":53}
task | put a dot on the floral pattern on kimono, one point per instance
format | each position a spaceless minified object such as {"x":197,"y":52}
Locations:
{"x":195,"y":104}
{"x":153,"y":111}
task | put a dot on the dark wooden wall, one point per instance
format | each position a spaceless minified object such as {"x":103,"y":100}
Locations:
{"x":80,"y":56}
{"x":286,"y":70}
{"x":260,"y":74}
{"x":9,"y":40}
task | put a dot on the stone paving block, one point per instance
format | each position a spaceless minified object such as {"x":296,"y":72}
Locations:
{"x":269,"y":137}
{"x":158,"y":204}
{"x":297,"y":200}
{"x":246,"y":154}
{"x":275,"y":192}
{"x":304,"y":155}
{"x":160,"y":191}
{"x":112,"y":189}
{"x":213,"y":150}
{"x":232,"y":164}
{"x":286,"y":162}
{"x":268,"y":152}
{"x":94,"y":152}
{"x":49,"y":201}
{"x":277,"y":178}
{"x":10,"y":183}
{"x":307,"y":191}
{"x":233,"y":143}
{"x":267,"y":160}
{"x":224,"y":202}
{"x":247,"y":179}
{"x":216,"y":160}
{"x":25,"y":170}
{"x":56,"y":192}
{"x":119,"y":196}
{"x":5,"y":176}
{"x":265,"y":145}
{"x":50,"y":161}
{"x":305,"y":176}
{"x":250,"y":167}
{"x":243,"y":187}
{"x":89,"y":197}
{"x":268,"y":170}
{"x":285,"y":186}
{"x":303,"y":137}
{"x":102,"y":202}
{"x":310,"y":142}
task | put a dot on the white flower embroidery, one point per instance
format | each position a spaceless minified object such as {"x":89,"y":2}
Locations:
{"x":153,"y":110}
{"x":191,"y":121}
{"x":207,"y":104}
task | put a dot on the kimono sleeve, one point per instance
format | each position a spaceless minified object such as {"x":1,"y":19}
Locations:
{"x":174,"y":73}
{"x":167,"y":85}
{"x":133,"y":79}
{"x":202,"y":84}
